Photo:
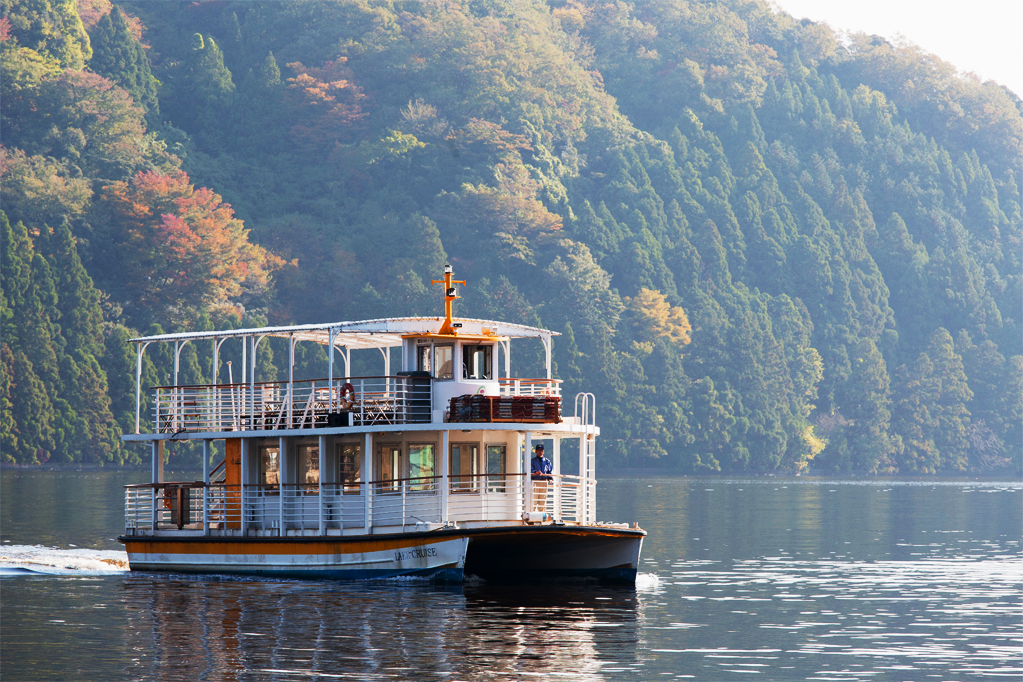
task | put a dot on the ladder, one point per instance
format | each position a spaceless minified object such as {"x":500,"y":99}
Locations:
{"x":585,"y":412}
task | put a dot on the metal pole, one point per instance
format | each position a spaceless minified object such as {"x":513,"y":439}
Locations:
{"x":323,"y":468}
{"x":507,"y":359}
{"x":547,"y":350}
{"x":330,"y":370}
{"x":242,"y":475}
{"x":283,"y":464}
{"x":526,"y":478}
{"x":155,"y":479}
{"x":138,"y":387}
{"x":216,"y":377}
{"x":291,"y":381}
{"x":205,"y":486}
{"x":367,"y":476}
{"x":581,"y":497}
{"x":444,"y":474}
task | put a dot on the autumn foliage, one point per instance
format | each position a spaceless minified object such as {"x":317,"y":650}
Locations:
{"x":174,"y":242}
{"x":326,"y":104}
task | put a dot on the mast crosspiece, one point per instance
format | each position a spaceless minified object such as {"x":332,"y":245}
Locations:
{"x":450,"y":294}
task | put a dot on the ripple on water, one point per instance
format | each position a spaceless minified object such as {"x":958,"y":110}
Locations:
{"x":853,"y":620}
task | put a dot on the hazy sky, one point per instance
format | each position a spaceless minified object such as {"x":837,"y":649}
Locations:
{"x":982,"y":36}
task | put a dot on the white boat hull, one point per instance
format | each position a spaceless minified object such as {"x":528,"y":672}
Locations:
{"x":360,"y":558}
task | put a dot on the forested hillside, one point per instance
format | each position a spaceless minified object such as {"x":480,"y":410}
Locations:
{"x":768,"y":247}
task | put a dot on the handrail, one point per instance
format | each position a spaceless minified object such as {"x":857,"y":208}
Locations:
{"x":538,"y":380}
{"x":246,"y":384}
{"x":390,"y":481}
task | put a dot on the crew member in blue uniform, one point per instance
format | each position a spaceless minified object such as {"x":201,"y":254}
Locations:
{"x":540,"y":467}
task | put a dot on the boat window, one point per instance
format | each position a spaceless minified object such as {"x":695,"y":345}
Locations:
{"x":269,"y":465}
{"x":349,"y":460}
{"x":496,"y":467}
{"x":421,"y":466}
{"x":423,"y":359}
{"x":309,"y":466}
{"x":442,"y":358}
{"x":477,"y":362}
{"x":388,"y":466}
{"x":464,"y":466}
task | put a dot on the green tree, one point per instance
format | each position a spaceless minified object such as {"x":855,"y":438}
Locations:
{"x":51,"y":28}
{"x":119,"y":56}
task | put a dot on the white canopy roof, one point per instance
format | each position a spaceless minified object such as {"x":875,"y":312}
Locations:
{"x":383,"y":333}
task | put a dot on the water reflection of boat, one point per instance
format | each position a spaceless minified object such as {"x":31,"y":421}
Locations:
{"x":234,"y":629}
{"x":422,"y":472}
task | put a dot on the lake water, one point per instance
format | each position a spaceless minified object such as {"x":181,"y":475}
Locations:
{"x":770,"y":578}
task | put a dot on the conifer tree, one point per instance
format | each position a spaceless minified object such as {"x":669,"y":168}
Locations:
{"x":117,"y":55}
{"x":83,"y":381}
{"x":25,"y":331}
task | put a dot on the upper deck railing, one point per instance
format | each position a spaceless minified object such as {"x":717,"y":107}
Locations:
{"x":309,"y":404}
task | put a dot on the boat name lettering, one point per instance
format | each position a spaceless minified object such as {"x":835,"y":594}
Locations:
{"x":417,"y":553}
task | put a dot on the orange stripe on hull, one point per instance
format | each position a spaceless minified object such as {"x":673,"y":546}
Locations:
{"x":271,"y":547}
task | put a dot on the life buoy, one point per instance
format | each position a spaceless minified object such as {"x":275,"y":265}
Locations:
{"x":347,"y":396}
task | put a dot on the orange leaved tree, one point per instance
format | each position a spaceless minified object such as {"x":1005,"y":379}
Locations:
{"x":167,"y":248}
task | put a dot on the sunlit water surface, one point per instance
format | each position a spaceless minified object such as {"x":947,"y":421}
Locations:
{"x":775,"y":579}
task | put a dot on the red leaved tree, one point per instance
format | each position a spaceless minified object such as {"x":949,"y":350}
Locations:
{"x":170,"y":248}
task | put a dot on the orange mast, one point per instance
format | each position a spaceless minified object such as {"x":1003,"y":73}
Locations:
{"x":450,"y":294}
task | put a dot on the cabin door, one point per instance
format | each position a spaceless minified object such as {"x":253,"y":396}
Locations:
{"x":231,"y":506}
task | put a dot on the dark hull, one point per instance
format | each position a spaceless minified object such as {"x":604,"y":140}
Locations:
{"x":532,"y":553}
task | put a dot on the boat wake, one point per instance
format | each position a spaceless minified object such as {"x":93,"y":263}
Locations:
{"x":18,"y":560}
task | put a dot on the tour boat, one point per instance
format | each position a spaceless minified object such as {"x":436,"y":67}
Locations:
{"x":420,"y":472}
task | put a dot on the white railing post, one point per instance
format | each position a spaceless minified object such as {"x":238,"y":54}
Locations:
{"x":367,"y":476}
{"x":322,"y":453}
{"x":291,"y":379}
{"x":138,"y":388}
{"x":444,"y":475}
{"x":283,"y":465}
{"x":205,"y":486}
{"x":362,"y":401}
{"x":241,"y":484}
{"x":581,"y":496}
{"x":156,"y":409}
{"x":404,"y":486}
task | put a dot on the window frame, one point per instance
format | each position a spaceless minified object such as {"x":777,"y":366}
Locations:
{"x":502,"y":475}
{"x":469,"y":349}
{"x":461,"y":484}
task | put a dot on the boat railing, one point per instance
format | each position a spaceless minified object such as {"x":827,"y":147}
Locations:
{"x":408,"y":503}
{"x":530,"y":387}
{"x":314,"y":403}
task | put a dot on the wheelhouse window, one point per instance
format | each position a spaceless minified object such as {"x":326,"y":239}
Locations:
{"x":477,"y":362}
{"x":423,"y":357}
{"x":442,"y":356}
{"x":436,"y":359}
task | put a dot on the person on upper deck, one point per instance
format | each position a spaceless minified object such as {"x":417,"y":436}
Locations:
{"x":540,"y":467}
